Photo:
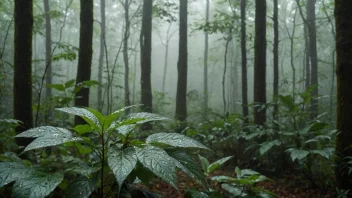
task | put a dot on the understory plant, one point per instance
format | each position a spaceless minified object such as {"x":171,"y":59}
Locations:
{"x":102,"y":158}
{"x":242,"y":184}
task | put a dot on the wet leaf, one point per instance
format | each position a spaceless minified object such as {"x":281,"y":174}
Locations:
{"x":88,"y":116}
{"x":38,"y":185}
{"x":12,"y":171}
{"x":297,"y":154}
{"x":82,"y":187}
{"x":217,"y":163}
{"x":159,"y":162}
{"x":122,"y":162}
{"x":175,"y":139}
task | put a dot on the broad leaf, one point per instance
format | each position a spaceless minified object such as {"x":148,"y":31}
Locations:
{"x":47,"y":136}
{"x":159,"y":162}
{"x":12,"y":171}
{"x":266,"y":146}
{"x":297,"y":154}
{"x":223,"y":179}
{"x":82,"y":187}
{"x":82,"y":129}
{"x":204,"y":162}
{"x":188,"y":165}
{"x":80,"y":168}
{"x":217,"y":163}
{"x":327,"y":152}
{"x":233,"y":190}
{"x":88,"y":116}
{"x":143,"y":117}
{"x":126,"y":129}
{"x":175,"y":139}
{"x":38,"y":185}
{"x":59,"y":87}
{"x":122,"y":162}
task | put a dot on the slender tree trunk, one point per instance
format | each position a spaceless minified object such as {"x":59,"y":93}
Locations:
{"x":125,"y":54}
{"x":276,"y":58}
{"x":343,"y":20}
{"x":85,"y":55}
{"x":181,"y":97}
{"x":228,"y":40}
{"x":146,"y":53}
{"x":206,"y":49}
{"x":260,"y":63}
{"x":48,"y":47}
{"x":22,"y":88}
{"x":307,"y":59}
{"x":292,"y":41}
{"x":101,"y":54}
{"x":313,"y":55}
{"x":134,"y":77}
{"x":166,"y":56}
{"x":244,"y":62}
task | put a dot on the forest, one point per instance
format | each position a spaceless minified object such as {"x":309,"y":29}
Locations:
{"x":176,"y":98}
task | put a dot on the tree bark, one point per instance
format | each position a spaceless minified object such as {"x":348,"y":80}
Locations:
{"x":343,"y":20}
{"x":260,"y":63}
{"x":85,"y":55}
{"x":101,"y":54}
{"x":181,"y":96}
{"x":244,"y":62}
{"x":146,"y":53}
{"x":206,"y":49}
{"x":313,"y":56}
{"x":23,"y":67}
{"x":276,"y":59}
{"x":125,"y":54}
{"x":48,"y":47}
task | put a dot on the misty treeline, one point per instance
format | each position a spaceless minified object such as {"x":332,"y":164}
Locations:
{"x":252,"y":79}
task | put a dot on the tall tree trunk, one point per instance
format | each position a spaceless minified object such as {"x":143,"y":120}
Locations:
{"x":343,"y":20}
{"x":101,"y":54}
{"x":244,"y":62}
{"x":307,"y":59}
{"x":85,"y":54}
{"x":181,"y":97}
{"x":166,"y":56}
{"x":125,"y":54}
{"x":48,"y":47}
{"x":260,"y":63}
{"x":206,"y":49}
{"x":313,"y":55}
{"x":228,"y":40}
{"x":146,"y":53}
{"x":23,"y":67}
{"x":276,"y":58}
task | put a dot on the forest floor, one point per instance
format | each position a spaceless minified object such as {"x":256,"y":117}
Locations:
{"x":286,"y":187}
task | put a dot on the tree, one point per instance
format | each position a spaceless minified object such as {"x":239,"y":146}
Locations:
{"x":146,"y":62}
{"x":126,"y":6}
{"x":206,"y":49}
{"x":343,"y":19}
{"x":276,"y":57}
{"x":260,"y":62}
{"x":102,"y":53}
{"x":244,"y":62}
{"x":48,"y":48}
{"x":23,"y":66}
{"x":85,"y":54}
{"x":313,"y":54}
{"x":181,"y":96}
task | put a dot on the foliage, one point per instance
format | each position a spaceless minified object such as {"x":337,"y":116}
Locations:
{"x":243,"y":185}
{"x":105,"y":146}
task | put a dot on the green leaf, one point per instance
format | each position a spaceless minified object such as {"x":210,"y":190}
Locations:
{"x":175,"y":139}
{"x":223,"y":179}
{"x":47,"y":136}
{"x":217,"y":163}
{"x":314,"y":127}
{"x":233,"y":190}
{"x":188,"y":165}
{"x":195,"y":194}
{"x":80,"y":168}
{"x":298,"y":154}
{"x":122,"y":163}
{"x":143,"y":117}
{"x":159,"y":162}
{"x":38,"y":185}
{"x":82,"y":187}
{"x":266,"y":146}
{"x":59,"y":87}
{"x":88,"y":116}
{"x":126,"y":129}
{"x":83,"y":128}
{"x":12,"y":171}
{"x":326,"y":153}
{"x":204,"y":162}
{"x":70,"y":83}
